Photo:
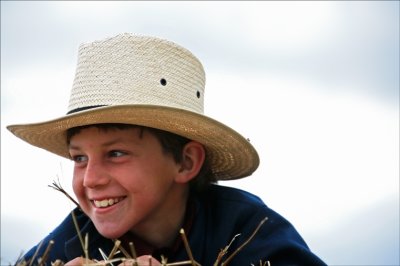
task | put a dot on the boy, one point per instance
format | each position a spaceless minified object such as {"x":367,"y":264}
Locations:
{"x":146,"y":164}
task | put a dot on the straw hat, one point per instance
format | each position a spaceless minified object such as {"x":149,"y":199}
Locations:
{"x":144,"y":81}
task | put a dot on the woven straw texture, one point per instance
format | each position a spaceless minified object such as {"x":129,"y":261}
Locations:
{"x":144,"y":81}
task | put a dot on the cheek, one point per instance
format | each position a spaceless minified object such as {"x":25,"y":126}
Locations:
{"x":158,"y":179}
{"x":77,"y":185}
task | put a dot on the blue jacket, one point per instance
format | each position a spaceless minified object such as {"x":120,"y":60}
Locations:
{"x":219,"y":215}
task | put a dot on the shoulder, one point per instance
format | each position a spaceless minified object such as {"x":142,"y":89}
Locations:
{"x":241,"y":208}
{"x":231,"y":211}
{"x":234,"y":196}
{"x":233,"y":201}
{"x":245,"y":210}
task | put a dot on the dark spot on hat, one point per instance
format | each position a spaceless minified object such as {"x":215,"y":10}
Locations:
{"x":163,"y":82}
{"x":198,"y":94}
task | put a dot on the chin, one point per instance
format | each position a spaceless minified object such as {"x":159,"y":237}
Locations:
{"x":109,"y":231}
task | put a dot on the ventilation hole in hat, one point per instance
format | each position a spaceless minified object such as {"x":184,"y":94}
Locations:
{"x":163,"y":82}
{"x":198,"y":94}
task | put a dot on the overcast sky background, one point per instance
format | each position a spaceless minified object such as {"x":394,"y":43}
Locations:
{"x":313,"y":85}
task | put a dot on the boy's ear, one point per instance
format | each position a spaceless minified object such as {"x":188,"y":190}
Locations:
{"x":193,"y":156}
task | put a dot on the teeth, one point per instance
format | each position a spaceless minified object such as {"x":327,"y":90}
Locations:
{"x":105,"y":203}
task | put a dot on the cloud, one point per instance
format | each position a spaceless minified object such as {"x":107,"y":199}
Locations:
{"x":314,"y":85}
{"x":369,"y":236}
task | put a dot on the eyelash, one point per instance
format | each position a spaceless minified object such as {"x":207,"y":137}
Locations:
{"x":113,"y":153}
{"x":78,"y":158}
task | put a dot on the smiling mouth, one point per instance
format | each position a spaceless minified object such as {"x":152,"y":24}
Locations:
{"x":106,"y":202}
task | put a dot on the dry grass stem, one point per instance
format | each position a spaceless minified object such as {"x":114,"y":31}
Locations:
{"x":265,"y":263}
{"x":163,"y":261}
{"x":222,"y":253}
{"x":187,"y":247}
{"x":226,"y":262}
{"x":186,"y":262}
{"x":117,"y":243}
{"x":103,"y":255}
{"x":57,"y":263}
{"x":133,"y":251}
{"x":78,"y":230}
{"x":21,"y":260}
{"x":86,"y":249}
{"x":36,"y":252}
{"x":43,"y":259}
{"x":58,"y":187}
{"x":118,"y":247}
{"x":126,"y":254}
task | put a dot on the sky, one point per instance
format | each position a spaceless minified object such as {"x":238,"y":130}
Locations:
{"x":313,"y":85}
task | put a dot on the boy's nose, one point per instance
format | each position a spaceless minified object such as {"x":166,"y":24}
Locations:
{"x":95,"y":175}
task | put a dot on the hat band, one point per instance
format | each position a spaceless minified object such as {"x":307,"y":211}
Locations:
{"x":76,"y":110}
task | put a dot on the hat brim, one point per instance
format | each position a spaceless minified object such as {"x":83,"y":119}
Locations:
{"x":231,"y":156}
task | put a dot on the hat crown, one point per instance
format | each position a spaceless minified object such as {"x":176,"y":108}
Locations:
{"x":137,"y":70}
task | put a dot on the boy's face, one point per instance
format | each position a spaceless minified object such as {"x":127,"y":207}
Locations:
{"x":123,"y":180}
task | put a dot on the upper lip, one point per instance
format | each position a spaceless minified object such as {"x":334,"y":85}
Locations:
{"x":100,"y":198}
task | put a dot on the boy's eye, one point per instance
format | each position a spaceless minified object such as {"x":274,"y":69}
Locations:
{"x":79,"y":158}
{"x":116,"y":153}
